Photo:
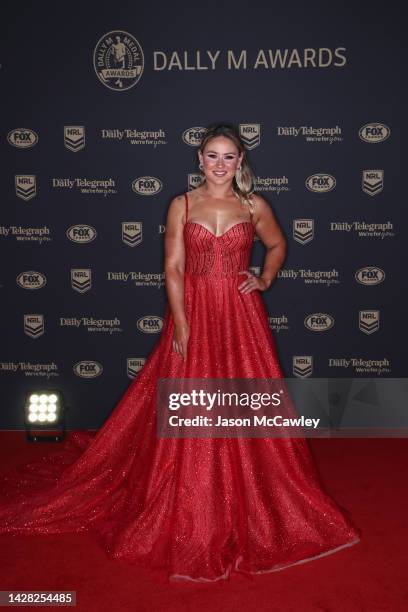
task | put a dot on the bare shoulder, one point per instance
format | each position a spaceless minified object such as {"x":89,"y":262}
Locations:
{"x":177,"y":203}
{"x":176,"y":210}
{"x":262,"y":207}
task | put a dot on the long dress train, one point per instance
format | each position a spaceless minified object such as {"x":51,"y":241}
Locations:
{"x":195,"y":508}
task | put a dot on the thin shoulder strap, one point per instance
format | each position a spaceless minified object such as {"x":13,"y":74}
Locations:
{"x":251,"y":214}
{"x":185,"y":195}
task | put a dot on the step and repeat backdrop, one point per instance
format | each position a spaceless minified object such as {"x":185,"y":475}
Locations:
{"x":106,"y":108}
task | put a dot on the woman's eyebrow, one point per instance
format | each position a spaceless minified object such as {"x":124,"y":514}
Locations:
{"x":229,"y":153}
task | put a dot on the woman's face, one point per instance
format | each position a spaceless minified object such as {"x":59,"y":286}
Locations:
{"x":220,"y":159}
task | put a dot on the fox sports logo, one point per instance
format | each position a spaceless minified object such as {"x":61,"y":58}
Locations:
{"x":22,"y":138}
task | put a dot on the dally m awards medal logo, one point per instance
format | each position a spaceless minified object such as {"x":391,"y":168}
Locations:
{"x":118,"y":60}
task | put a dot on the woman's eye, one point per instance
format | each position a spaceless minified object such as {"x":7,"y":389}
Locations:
{"x":228,"y":158}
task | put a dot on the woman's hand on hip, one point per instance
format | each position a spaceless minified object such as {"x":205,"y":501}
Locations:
{"x":253,"y":282}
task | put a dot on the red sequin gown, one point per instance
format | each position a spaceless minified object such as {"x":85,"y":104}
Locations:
{"x":195,"y":508}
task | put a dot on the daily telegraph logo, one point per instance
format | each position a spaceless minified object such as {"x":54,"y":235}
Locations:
{"x":279,"y":323}
{"x":26,"y":233}
{"x":373,"y":181}
{"x":150,"y":324}
{"x":81,"y":279}
{"x":371,"y":275}
{"x":194,"y":179}
{"x":104,"y":187}
{"x":134,"y":365}
{"x":250,"y":134}
{"x":320,"y":183}
{"x":135,"y":137}
{"x":193,"y":136}
{"x":74,"y":137}
{"x":374,"y":132}
{"x":364,"y":228}
{"x":311,"y":134}
{"x":132,"y":232}
{"x":369,"y":321}
{"x":302,"y":365}
{"x":277,"y":184}
{"x":26,"y":186}
{"x":34,"y":325}
{"x":81,"y":234}
{"x":319,"y":321}
{"x":147,"y":185}
{"x":118,"y":60}
{"x":88,"y":369}
{"x":22,"y":138}
{"x":303,"y":230}
{"x":31,"y":280}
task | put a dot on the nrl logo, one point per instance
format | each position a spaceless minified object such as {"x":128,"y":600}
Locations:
{"x":81,"y":280}
{"x":250,"y":134}
{"x":134,"y":365}
{"x":302,"y":365}
{"x":74,"y":137}
{"x":373,"y":181}
{"x":132,"y":232}
{"x":369,"y":321}
{"x":26,"y":186}
{"x":34,"y":325}
{"x":303,"y":230}
{"x":194,"y":179}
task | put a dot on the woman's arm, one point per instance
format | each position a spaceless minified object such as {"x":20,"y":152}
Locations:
{"x":174,"y":263}
{"x":269,"y":231}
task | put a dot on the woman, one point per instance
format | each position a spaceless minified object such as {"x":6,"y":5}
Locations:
{"x":194,"y":507}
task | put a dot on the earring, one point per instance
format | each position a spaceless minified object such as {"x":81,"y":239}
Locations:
{"x":200,"y":165}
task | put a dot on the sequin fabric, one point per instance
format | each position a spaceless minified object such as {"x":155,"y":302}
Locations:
{"x":196,"y":509}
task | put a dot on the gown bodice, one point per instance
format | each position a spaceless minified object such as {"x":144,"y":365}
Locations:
{"x":217,"y":256}
{"x":210,"y":255}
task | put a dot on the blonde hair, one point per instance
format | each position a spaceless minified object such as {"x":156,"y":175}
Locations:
{"x":243,"y":181}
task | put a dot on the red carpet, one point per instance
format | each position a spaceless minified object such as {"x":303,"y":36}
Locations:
{"x":365,"y":476}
